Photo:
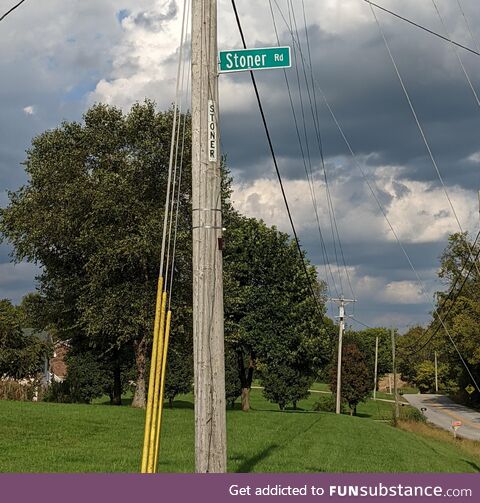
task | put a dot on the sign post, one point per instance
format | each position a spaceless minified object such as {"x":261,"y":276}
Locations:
{"x":455,"y":426}
{"x":240,"y":60}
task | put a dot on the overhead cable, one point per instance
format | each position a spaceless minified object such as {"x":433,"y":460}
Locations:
{"x":279,"y":176}
{"x":477,"y":53}
{"x":419,"y":126}
{"x":11,"y":10}
{"x":455,"y":50}
{"x":357,"y":163}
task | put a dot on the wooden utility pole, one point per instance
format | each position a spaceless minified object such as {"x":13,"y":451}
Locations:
{"x":208,"y":343}
{"x":376,"y":368}
{"x":436,"y":374}
{"x":394,"y":365}
{"x":341,"y":327}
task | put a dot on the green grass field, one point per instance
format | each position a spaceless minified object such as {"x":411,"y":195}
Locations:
{"x":46,"y":437}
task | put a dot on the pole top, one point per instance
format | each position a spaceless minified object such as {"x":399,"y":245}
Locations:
{"x":341,"y":301}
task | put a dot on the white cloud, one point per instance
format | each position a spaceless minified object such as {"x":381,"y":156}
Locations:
{"x":418,"y":211}
{"x":404,"y":292}
{"x":475,"y":157}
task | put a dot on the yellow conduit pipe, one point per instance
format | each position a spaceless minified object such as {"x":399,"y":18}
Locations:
{"x":156,"y":391}
{"x":162,"y":387}
{"x":151,"y":382}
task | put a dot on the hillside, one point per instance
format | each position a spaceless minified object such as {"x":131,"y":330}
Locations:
{"x":45,"y":437}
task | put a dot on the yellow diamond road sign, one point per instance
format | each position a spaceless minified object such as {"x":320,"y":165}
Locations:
{"x":469,"y":389}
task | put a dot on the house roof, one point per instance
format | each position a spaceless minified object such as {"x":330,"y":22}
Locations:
{"x":40,"y":334}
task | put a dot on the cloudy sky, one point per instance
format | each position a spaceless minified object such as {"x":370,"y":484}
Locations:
{"x":60,"y":56}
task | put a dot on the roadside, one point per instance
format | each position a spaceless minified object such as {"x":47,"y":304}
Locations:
{"x":442,"y":411}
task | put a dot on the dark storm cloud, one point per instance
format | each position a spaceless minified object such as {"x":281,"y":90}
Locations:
{"x":361,"y":86}
{"x":53,"y":65}
{"x":48,"y":67}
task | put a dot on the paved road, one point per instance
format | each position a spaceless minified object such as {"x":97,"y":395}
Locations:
{"x":441,"y":411}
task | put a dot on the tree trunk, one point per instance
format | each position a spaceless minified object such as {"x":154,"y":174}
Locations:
{"x":170,"y":403}
{"x":294,"y":405}
{"x":245,"y":399}
{"x":116,"y":398}
{"x":139,"y":397}
{"x":246,"y":377}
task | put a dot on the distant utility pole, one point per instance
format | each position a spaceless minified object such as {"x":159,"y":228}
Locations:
{"x":341,"y":327}
{"x":376,"y":368}
{"x":394,"y":364}
{"x":436,"y":374}
{"x":208,"y":344}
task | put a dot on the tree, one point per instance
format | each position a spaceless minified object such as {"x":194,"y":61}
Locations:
{"x":21,"y":355}
{"x":425,"y":377}
{"x":233,"y":386}
{"x":356,"y":378}
{"x":458,"y":307}
{"x":284,"y":384}
{"x":91,"y":215}
{"x":179,"y":373}
{"x":365,"y":342}
{"x":270,"y":315}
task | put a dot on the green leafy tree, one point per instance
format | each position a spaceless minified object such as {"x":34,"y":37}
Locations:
{"x":233,"y":386}
{"x":356,"y":378}
{"x":425,"y":377}
{"x":284,"y":384}
{"x":459,"y":309}
{"x":21,"y":355}
{"x":270,"y":315}
{"x":91,"y":214}
{"x":179,"y":376}
{"x":365,"y":341}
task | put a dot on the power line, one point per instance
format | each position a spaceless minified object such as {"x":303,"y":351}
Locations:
{"x":359,"y":322}
{"x":323,"y":247}
{"x":475,"y":41}
{"x":455,"y":50}
{"x":477,"y":53}
{"x":419,"y":126}
{"x":316,"y":122}
{"x":279,"y":176}
{"x":291,"y":16}
{"x":11,"y":10}
{"x":448,"y":297}
{"x":407,"y":96}
{"x":354,"y":157}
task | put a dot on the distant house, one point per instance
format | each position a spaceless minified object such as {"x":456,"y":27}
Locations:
{"x":57,"y":365}
{"x":54,"y":367}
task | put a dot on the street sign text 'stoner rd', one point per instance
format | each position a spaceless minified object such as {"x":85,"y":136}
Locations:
{"x":240,"y":60}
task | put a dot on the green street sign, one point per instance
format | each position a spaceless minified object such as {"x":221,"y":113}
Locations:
{"x":469,"y":389}
{"x":254,"y":59}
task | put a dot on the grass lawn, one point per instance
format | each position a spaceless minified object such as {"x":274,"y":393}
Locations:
{"x":46,"y":437}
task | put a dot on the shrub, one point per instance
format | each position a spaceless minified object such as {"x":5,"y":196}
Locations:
{"x":411,"y":414}
{"x":14,"y":390}
{"x":327,"y":403}
{"x":58,"y":392}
